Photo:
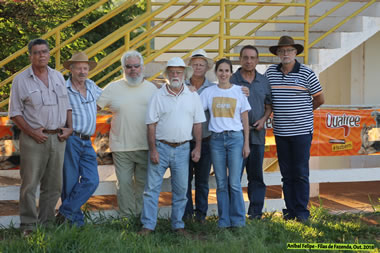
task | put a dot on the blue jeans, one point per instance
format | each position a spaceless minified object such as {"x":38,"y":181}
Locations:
{"x":293,"y":157}
{"x":177,"y":158}
{"x":227,"y":151}
{"x":256,"y":186}
{"x":201,"y":172}
{"x":80,"y":178}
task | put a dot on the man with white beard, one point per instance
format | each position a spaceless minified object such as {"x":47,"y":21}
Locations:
{"x":128,"y":100}
{"x":174,"y":113}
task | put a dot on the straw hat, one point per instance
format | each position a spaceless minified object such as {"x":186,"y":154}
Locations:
{"x":286,"y":41}
{"x":178,"y":62}
{"x":200,"y":54}
{"x":79,"y":57}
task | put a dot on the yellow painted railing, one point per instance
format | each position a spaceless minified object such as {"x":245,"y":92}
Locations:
{"x":163,"y":17}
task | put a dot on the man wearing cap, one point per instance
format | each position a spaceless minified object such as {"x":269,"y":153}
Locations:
{"x":40,"y":107}
{"x":201,"y":169}
{"x":128,"y":100}
{"x":174,"y":113}
{"x":80,"y":168}
{"x":261,"y":103}
{"x":296,"y":92}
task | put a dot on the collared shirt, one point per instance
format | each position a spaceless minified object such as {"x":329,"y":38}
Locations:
{"x":259,"y":96}
{"x":39,"y":105}
{"x":292,"y":97}
{"x":128,"y":105}
{"x":175,"y":114}
{"x":84,"y":108}
{"x":225,"y":107}
{"x":206,"y":84}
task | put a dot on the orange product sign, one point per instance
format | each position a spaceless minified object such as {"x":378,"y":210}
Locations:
{"x":340,"y":133}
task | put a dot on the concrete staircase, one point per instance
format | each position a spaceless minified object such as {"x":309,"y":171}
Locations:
{"x":323,"y":54}
{"x":337,"y":44}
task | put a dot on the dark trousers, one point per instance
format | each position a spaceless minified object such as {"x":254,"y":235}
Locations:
{"x":293,"y":156}
{"x":201,"y":172}
{"x":256,"y":186}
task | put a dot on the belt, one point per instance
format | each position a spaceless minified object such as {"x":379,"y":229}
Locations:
{"x":55,"y":131}
{"x":82,"y":136}
{"x":173,"y":144}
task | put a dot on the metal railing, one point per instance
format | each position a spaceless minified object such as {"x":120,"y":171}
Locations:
{"x":163,"y":17}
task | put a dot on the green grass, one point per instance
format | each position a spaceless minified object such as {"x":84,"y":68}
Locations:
{"x":268,"y":235}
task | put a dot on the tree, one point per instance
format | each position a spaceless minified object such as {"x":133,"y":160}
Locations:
{"x":21,"y":21}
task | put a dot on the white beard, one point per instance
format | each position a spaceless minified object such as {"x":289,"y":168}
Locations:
{"x":133,"y":82}
{"x":175,"y":83}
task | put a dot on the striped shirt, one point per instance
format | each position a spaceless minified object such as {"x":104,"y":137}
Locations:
{"x":84,"y":109}
{"x":292,"y":99}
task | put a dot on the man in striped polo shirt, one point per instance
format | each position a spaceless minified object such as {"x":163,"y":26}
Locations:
{"x":80,"y":168}
{"x":296,"y":92}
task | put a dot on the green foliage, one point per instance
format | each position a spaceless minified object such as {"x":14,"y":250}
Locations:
{"x":21,"y":21}
{"x":375,"y":205}
{"x":270,"y":234}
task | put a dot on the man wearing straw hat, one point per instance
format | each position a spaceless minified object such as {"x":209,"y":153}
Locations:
{"x":40,"y":107}
{"x":128,"y":100}
{"x":201,"y":169}
{"x":296,"y":92}
{"x":80,"y":168}
{"x":174,"y":113}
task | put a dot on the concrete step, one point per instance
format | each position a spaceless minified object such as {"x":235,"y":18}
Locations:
{"x":324,"y":58}
{"x":353,"y":25}
{"x":333,"y":40}
{"x":326,"y":5}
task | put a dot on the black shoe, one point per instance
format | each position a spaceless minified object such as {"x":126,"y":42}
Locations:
{"x":60,"y":219}
{"x":255,"y":217}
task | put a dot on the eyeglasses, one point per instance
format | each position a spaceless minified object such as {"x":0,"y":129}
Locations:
{"x":84,"y":100}
{"x":198,"y":65}
{"x":283,"y":51}
{"x":129,"y":66}
{"x":40,"y":52}
{"x":175,"y":72}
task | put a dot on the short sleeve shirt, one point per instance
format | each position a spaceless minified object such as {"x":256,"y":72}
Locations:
{"x":40,"y":106}
{"x":292,"y":97}
{"x":259,"y":96}
{"x":129,"y":106}
{"x":84,"y":108}
{"x":225,"y":107}
{"x":175,"y":115}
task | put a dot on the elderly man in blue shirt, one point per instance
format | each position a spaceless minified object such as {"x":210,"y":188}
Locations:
{"x":80,"y":168}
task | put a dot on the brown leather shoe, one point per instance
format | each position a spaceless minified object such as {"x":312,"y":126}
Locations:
{"x":145,"y":231}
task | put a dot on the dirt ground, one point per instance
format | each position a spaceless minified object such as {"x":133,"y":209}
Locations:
{"x":336,"y":197}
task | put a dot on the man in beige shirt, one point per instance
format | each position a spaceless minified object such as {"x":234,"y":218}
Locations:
{"x":40,"y":107}
{"x":128,"y":100}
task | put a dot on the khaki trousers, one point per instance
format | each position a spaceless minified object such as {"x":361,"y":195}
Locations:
{"x":40,"y":164}
{"x":131,"y":170}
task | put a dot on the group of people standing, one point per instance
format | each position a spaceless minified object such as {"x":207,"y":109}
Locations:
{"x":186,"y":125}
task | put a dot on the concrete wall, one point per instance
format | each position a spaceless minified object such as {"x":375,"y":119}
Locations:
{"x":372,"y":70}
{"x":353,"y":80}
